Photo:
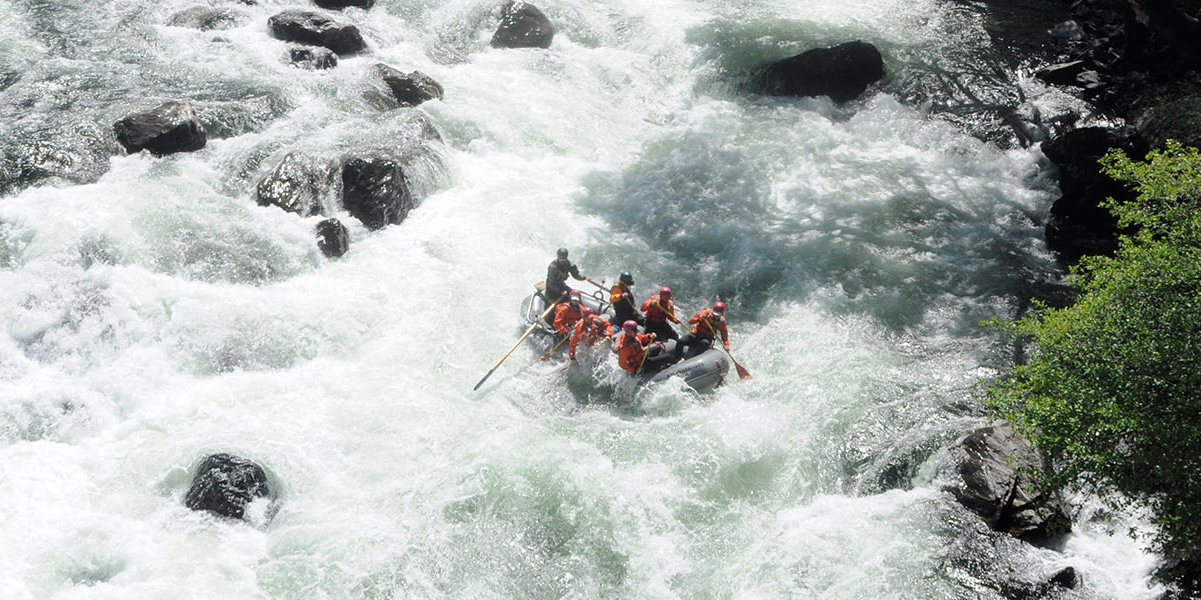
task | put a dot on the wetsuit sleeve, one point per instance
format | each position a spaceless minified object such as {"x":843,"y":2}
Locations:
{"x":575,"y":272}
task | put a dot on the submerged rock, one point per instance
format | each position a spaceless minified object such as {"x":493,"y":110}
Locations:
{"x":306,"y":27}
{"x":409,"y":89}
{"x":297,"y":185}
{"x":332,"y":238}
{"x":522,"y":25}
{"x":841,"y":72}
{"x":310,"y":57}
{"x":993,"y":474}
{"x":206,"y":18}
{"x":224,"y":484}
{"x":375,"y":191}
{"x":171,"y":127}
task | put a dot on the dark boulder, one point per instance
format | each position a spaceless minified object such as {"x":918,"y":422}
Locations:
{"x":1062,"y":73}
{"x":224,"y":484}
{"x":1077,"y":225}
{"x":409,"y":89}
{"x":312,"y":57}
{"x":340,"y":4}
{"x":1066,"y":578}
{"x":169,"y":128}
{"x":522,"y":25}
{"x":206,"y":18}
{"x":306,"y":27}
{"x":842,"y":72}
{"x":297,"y":185}
{"x":375,"y":191}
{"x":332,"y":238}
{"x":992,"y":473}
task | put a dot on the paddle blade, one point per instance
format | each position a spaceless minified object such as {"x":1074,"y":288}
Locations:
{"x":742,"y":372}
{"x":477,"y":386}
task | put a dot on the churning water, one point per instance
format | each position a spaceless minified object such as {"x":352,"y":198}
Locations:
{"x":153,"y":314}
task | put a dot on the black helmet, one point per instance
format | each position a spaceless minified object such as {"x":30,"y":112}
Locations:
{"x":626,"y":278}
{"x":562,"y":253}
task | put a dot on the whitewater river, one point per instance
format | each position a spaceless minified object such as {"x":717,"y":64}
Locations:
{"x":151,"y":313}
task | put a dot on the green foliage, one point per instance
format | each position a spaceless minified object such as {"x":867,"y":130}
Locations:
{"x":1112,"y":390}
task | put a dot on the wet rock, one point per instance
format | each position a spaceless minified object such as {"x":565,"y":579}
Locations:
{"x":1066,"y":578}
{"x":306,"y":27}
{"x":332,"y":238}
{"x":1077,"y":225}
{"x":206,"y":18}
{"x":297,"y":185}
{"x":992,"y":473}
{"x":841,"y":72}
{"x":1062,"y":73}
{"x":171,"y":127}
{"x":76,"y":154}
{"x":522,"y":25}
{"x":310,"y":57}
{"x":224,"y":484}
{"x":375,"y":191}
{"x":409,"y":89}
{"x":340,"y":4}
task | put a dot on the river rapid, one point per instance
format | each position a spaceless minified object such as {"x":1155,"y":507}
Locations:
{"x":153,"y":314}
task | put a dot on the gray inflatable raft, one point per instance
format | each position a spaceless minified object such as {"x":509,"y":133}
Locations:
{"x":702,"y":371}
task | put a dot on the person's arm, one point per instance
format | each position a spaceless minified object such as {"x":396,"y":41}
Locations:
{"x":575,"y":272}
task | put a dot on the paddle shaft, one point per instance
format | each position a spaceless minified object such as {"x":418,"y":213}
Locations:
{"x":519,"y":341}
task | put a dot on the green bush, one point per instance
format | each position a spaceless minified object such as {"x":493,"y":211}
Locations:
{"x":1112,"y":389}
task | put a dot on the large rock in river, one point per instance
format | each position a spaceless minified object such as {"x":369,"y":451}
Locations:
{"x":312,"y":57}
{"x":207,"y":18}
{"x":842,"y":72}
{"x":522,"y":25}
{"x":409,"y":89}
{"x":375,"y":191}
{"x":340,"y":4}
{"x":307,"y":27}
{"x":297,"y":185}
{"x":169,"y":128}
{"x":993,"y":471}
{"x":224,"y":484}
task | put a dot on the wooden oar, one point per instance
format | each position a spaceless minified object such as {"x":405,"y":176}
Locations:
{"x":742,"y":372}
{"x":599,"y":285}
{"x":519,"y":341}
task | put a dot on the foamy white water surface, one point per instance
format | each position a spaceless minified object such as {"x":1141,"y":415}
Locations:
{"x":157,"y":315}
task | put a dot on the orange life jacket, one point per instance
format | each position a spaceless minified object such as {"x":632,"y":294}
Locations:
{"x":706,"y":318}
{"x":587,"y":331}
{"x":657,"y":311}
{"x":630,"y":350}
{"x":566,"y":316}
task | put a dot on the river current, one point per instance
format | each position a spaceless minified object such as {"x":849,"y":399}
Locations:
{"x":151,"y":313}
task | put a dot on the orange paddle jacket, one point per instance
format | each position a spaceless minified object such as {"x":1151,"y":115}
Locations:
{"x":656,"y":311}
{"x":706,"y":321}
{"x":566,"y":316}
{"x":630,"y":350}
{"x":587,"y":331}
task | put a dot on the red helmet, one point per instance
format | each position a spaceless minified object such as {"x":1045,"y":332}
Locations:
{"x":575,"y":295}
{"x":719,"y":307}
{"x":630,"y":326}
{"x":585,"y":312}
{"x":664,"y":292}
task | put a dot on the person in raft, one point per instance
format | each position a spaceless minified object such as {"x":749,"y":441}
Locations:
{"x":638,"y":352}
{"x":556,"y":278}
{"x":659,"y":308}
{"x":589,"y":329}
{"x":707,"y":324}
{"x":621,"y":297}
{"x":568,"y":313}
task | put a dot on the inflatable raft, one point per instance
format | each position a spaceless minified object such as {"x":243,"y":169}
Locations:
{"x":702,"y":370}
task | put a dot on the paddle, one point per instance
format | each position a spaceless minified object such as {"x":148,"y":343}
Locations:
{"x":742,"y":372}
{"x":519,"y":340}
{"x":599,"y":285}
